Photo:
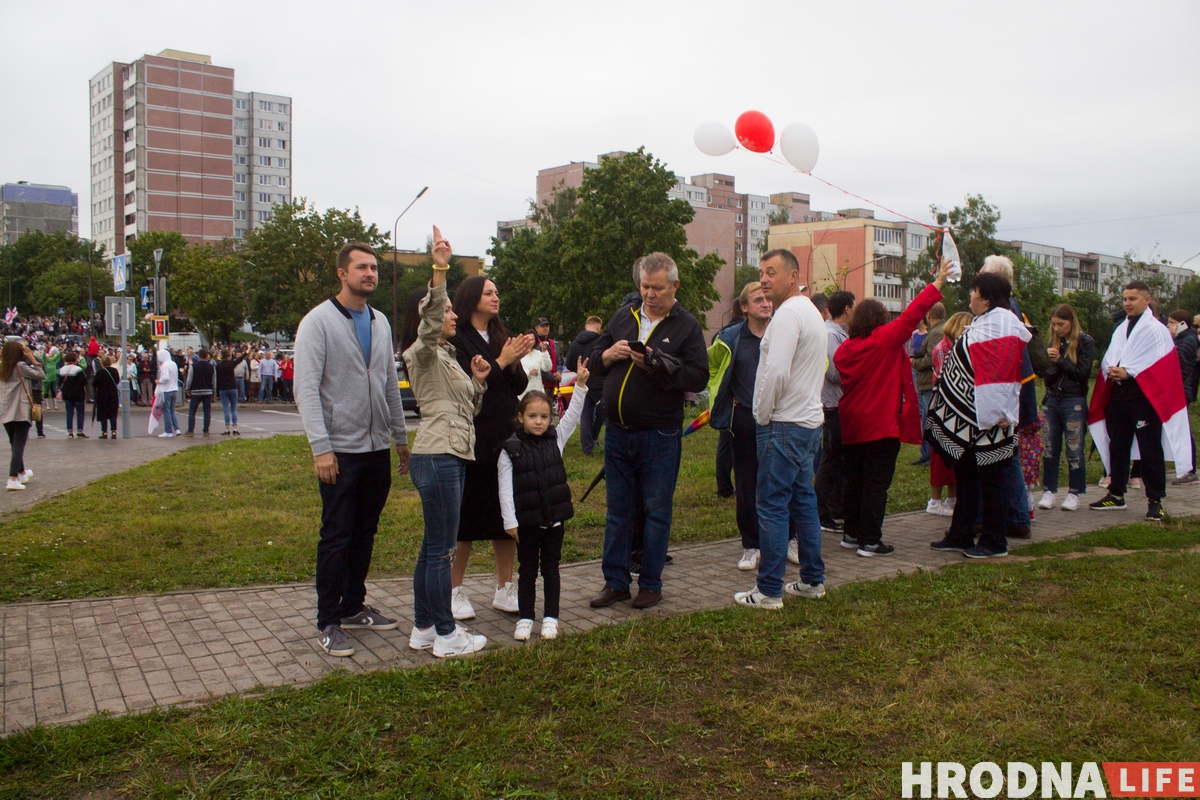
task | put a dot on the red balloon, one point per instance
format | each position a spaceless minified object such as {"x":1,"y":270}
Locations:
{"x":755,"y":132}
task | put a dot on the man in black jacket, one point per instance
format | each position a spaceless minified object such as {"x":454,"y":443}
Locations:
{"x":201,"y":382}
{"x":1186,"y":345}
{"x":593,"y":418}
{"x":652,"y":353}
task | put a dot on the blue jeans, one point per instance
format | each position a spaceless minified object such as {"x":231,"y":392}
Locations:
{"x":1018,"y":493}
{"x":229,"y":401}
{"x":923,"y":399}
{"x":170,"y":418}
{"x":439,"y":481}
{"x":641,"y":464}
{"x":267,"y":390}
{"x":785,"y":493}
{"x":1066,"y":417}
{"x":241,"y":389}
{"x":74,"y":410}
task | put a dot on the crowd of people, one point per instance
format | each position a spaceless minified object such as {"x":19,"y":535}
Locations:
{"x":813,"y":398}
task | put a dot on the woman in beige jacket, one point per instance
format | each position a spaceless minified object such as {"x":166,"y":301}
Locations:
{"x":448,"y":399}
{"x":18,"y":364}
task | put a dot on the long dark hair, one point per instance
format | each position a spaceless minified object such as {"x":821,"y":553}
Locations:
{"x":12,"y":355}
{"x":466,"y":300}
{"x":412,"y":318}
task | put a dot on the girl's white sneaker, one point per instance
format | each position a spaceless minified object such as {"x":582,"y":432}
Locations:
{"x":14,"y":486}
{"x":1071,"y":503}
{"x":1047,"y":500}
{"x":549,"y":628}
{"x":933,"y":507}
{"x":524,"y":630}
{"x":948,"y":506}
{"x":25,"y":476}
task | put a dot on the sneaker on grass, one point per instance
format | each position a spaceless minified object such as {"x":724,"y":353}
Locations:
{"x":813,"y":591}
{"x":979,"y":551}
{"x":749,"y":559}
{"x":549,"y":628}
{"x":523,"y":630}
{"x":1110,"y":502}
{"x":370,"y":618}
{"x":877,"y":549}
{"x":1154,"y":511}
{"x":756,"y":599}
{"x":459,"y":643}
{"x":334,"y":642}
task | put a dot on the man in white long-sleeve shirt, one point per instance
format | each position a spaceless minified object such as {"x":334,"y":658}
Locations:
{"x":787,"y":409}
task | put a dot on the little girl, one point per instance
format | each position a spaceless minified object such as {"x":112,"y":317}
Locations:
{"x":941,"y":476}
{"x":535,"y":499}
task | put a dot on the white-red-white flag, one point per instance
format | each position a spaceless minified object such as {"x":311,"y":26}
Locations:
{"x":996,"y":341}
{"x":1149,"y":356}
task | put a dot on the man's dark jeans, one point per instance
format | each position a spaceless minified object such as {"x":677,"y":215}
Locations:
{"x":350,"y":512}
{"x":724,"y":463}
{"x":831,"y":475}
{"x":646,"y":464}
{"x":1125,"y":422}
{"x":745,"y":474}
{"x":203,"y":400}
{"x":592,"y":419}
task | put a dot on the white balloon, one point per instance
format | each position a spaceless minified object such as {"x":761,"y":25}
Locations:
{"x":799,"y":146}
{"x":714,"y":139}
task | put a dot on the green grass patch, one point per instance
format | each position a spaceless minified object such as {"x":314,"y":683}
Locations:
{"x":1077,"y":660}
{"x":1171,"y":534}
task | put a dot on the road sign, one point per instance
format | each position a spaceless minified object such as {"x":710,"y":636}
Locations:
{"x":157,"y":257}
{"x":158,"y":328}
{"x":145,"y":298}
{"x":120,"y":266}
{"x":62,"y":311}
{"x":91,"y":303}
{"x":120,"y":318}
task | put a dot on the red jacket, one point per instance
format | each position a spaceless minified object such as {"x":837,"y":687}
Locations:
{"x":879,"y":399}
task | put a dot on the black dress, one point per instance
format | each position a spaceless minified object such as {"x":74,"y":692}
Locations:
{"x":480,"y":519}
{"x":107,"y":393}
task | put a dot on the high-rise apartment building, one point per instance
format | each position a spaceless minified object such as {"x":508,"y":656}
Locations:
{"x":36,"y":207}
{"x":175,"y":147}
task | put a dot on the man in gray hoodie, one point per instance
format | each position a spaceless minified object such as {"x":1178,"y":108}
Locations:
{"x":349,"y":400}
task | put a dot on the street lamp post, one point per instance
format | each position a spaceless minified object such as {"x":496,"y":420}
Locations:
{"x":395,"y":233}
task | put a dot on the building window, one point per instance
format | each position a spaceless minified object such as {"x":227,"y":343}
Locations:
{"x":283,"y":198}
{"x":130,"y":113}
{"x":739,"y":232}
{"x":129,"y":198}
{"x":281,"y":126}
{"x":241,"y":123}
{"x":240,"y":159}
{"x":129,"y":177}
{"x":239,"y":213}
{"x":240,"y":196}
{"x":264,"y":180}
{"x":281,"y":162}
{"x":239,"y":233}
{"x":737,"y":246}
{"x":265,"y":124}
{"x":264,"y":197}
{"x":265,"y":105}
{"x":262,"y":216}
{"x":282,"y":144}
{"x":241,"y":105}
{"x":284,"y":108}
{"x":738,"y":261}
{"x":241,"y":141}
{"x":264,"y":161}
{"x":239,"y":177}
{"x":264,"y":143}
{"x":739,"y":217}
{"x":282,"y":180}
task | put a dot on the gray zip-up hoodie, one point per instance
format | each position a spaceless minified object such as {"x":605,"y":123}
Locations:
{"x":347,"y":406}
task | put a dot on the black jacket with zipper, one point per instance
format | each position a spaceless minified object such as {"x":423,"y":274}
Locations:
{"x":645,"y":399}
{"x":1067,"y":378}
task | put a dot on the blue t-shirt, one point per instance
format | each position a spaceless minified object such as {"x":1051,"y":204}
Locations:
{"x":362,"y":324}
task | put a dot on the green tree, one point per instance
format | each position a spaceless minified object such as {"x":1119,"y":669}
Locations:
{"x":780,"y":216}
{"x":1094,"y":317}
{"x":290,"y":263}
{"x":409,"y":279}
{"x":973,"y":227}
{"x":35,"y":252}
{"x":742,"y":276}
{"x":1188,"y":297}
{"x":206,"y":287}
{"x":1161,"y":289}
{"x":65,"y":285}
{"x":141,"y":254}
{"x":1035,"y":287}
{"x":579,"y":261}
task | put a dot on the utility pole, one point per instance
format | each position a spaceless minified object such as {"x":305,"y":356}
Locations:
{"x":395,"y":232}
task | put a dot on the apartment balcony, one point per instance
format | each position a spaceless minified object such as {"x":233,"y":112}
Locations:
{"x":887,"y":249}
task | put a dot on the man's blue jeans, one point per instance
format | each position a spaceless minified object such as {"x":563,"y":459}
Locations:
{"x":241,"y":389}
{"x":645,"y":464}
{"x":439,"y":481}
{"x":267,"y":390}
{"x":1066,"y":417}
{"x":923,"y":399}
{"x":785,"y":493}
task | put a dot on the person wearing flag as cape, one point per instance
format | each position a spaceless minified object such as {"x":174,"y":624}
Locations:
{"x":1139,"y":403}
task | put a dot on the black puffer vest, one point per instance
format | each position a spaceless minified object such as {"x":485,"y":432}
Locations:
{"x":540,"y":491}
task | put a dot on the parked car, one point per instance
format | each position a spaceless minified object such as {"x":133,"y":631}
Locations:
{"x":406,"y":393}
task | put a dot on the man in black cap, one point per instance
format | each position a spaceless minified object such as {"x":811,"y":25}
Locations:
{"x":549,"y":380}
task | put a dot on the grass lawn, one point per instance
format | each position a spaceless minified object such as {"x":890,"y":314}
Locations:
{"x":1085,"y":659}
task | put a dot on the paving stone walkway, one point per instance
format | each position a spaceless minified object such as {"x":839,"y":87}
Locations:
{"x":65,"y":661}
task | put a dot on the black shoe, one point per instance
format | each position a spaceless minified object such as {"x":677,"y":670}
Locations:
{"x":667,"y":559}
{"x":877,"y":549}
{"x":1018,"y":532}
{"x":81,"y":436}
{"x":607,"y":597}
{"x":831,"y":525}
{"x":724,"y":495}
{"x":920,"y":462}
{"x":849,"y":542}
{"x":1110,"y":502}
{"x":1154,"y":511}
{"x":945,"y":545}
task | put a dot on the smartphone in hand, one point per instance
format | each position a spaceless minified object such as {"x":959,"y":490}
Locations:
{"x":638,"y":347}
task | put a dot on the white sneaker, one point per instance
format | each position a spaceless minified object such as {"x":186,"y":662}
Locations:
{"x":549,"y":628}
{"x":14,"y":486}
{"x":1047,"y":500}
{"x":506,"y":598}
{"x":524,"y":630}
{"x":1104,"y":482}
{"x":756,"y":599}
{"x":749,"y":559}
{"x":933,"y":507}
{"x":813,"y":591}
{"x":948,"y":506}
{"x":1071,"y":503}
{"x":460,"y":604}
{"x":25,"y":476}
{"x":459,"y":643}
{"x":793,"y":551}
{"x":422,"y":639}
{"x":166,"y":436}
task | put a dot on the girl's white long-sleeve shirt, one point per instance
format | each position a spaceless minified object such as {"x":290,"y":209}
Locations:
{"x":566,"y":426}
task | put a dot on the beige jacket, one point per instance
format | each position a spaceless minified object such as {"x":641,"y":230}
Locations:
{"x":448,"y":398}
{"x":14,"y":405}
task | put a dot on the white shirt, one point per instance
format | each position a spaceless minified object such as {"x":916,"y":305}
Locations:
{"x":791,"y":367}
{"x":566,"y":426}
{"x":533,"y":364}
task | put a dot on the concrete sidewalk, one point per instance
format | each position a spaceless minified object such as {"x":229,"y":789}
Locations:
{"x":64,"y":661}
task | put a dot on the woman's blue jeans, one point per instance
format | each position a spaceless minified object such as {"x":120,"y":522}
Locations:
{"x":1066,"y":418}
{"x":229,"y":401}
{"x":439,"y":481}
{"x":170,"y":418}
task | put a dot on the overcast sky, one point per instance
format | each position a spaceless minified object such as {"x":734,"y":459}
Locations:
{"x":1072,"y":118}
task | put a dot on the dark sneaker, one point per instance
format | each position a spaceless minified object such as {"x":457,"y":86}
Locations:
{"x":830,"y":525}
{"x":1110,"y":502}
{"x":1154,"y":511}
{"x":979,"y":551}
{"x":1186,"y":480}
{"x":334,"y":642}
{"x":371,"y":618}
{"x":849,"y":542}
{"x":1018,"y":532}
{"x":946,"y":545}
{"x":877,"y":549}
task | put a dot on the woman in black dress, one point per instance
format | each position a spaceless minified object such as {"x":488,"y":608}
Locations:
{"x":106,"y":391}
{"x":480,"y":332}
